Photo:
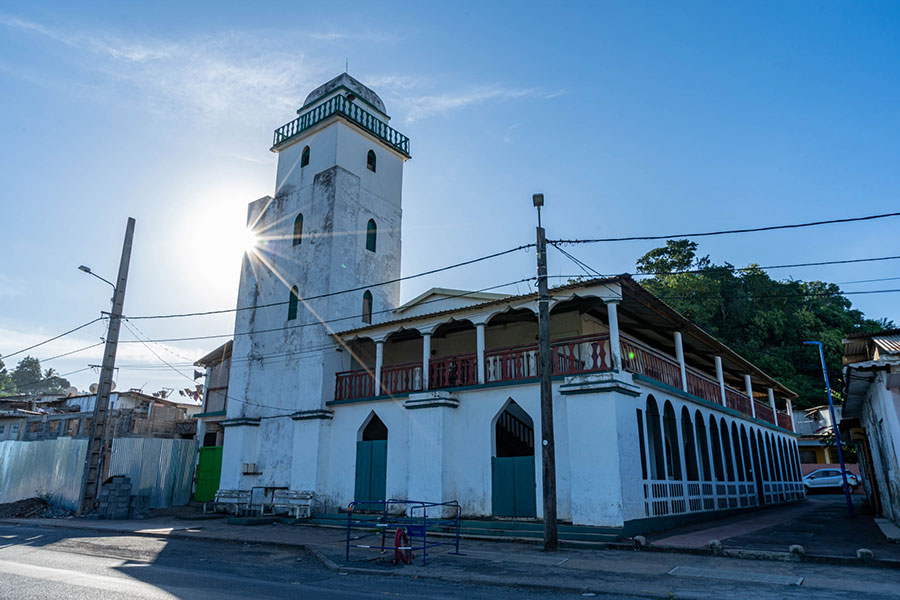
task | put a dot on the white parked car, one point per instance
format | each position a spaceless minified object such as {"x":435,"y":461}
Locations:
{"x":828,"y":479}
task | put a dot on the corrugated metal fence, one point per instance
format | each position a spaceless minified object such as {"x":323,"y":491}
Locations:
{"x":47,"y":467}
{"x":161,"y":469}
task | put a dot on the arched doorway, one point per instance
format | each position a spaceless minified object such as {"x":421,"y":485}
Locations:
{"x":371,"y":463}
{"x":512,"y":466}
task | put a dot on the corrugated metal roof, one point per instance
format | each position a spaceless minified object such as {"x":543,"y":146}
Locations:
{"x":889,"y":344}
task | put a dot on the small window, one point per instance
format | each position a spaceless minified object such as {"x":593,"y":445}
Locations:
{"x":304,"y":157}
{"x":292,"y":303}
{"x":370,"y":160}
{"x":15,"y":429}
{"x":367,"y":307}
{"x":2,"y":428}
{"x":298,"y":230}
{"x":371,"y":234}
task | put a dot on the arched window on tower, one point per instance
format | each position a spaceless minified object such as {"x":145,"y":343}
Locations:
{"x":367,"y":307}
{"x":304,"y":157}
{"x":371,"y":233}
{"x":292,"y":303}
{"x":371,"y":160}
{"x":298,"y":230}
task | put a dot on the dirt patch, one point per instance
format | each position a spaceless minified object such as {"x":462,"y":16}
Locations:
{"x":33,"y":508}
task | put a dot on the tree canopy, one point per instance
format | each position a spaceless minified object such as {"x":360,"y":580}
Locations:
{"x":27,"y":378}
{"x":764,"y":319}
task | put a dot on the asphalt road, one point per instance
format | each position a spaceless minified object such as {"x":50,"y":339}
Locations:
{"x":44,"y":563}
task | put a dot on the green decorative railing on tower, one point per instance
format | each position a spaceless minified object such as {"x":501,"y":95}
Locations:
{"x":339,"y":105}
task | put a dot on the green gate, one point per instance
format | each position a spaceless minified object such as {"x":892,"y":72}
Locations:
{"x":371,"y":471}
{"x":513,"y":492}
{"x":209,"y":468}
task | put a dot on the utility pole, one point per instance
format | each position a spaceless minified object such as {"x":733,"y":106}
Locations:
{"x":90,"y":484}
{"x":834,"y":428}
{"x":548,"y":448}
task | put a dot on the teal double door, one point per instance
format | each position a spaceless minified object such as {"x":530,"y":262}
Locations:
{"x":371,"y":472}
{"x":513,"y":488}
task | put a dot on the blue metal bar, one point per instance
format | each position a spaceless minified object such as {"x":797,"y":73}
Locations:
{"x":834,"y":427}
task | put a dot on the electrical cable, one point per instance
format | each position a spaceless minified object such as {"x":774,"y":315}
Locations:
{"x":726,"y":231}
{"x":329,"y":294}
{"x":56,"y":337}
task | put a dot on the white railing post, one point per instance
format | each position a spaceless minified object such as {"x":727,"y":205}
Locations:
{"x":615,"y":347}
{"x":426,"y":358}
{"x":772,"y":405}
{"x":720,"y":375}
{"x":679,"y":355}
{"x":790,"y":411}
{"x":749,"y":385}
{"x":379,"y":359}
{"x":479,"y":345}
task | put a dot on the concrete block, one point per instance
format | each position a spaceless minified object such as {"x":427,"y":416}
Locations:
{"x":865,"y":554}
{"x":639,"y":542}
{"x":716,"y":547}
{"x":797,"y":550}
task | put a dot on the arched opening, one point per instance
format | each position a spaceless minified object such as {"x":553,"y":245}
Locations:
{"x":453,"y":361}
{"x":770,"y":458}
{"x":726,"y":451}
{"x":703,"y":446}
{"x":673,"y":454}
{"x":716,"y":442}
{"x":402,"y":367}
{"x":757,"y":470}
{"x":654,"y":440}
{"x":512,"y":465}
{"x":510,"y":342}
{"x":371,"y":160}
{"x":745,"y":453}
{"x":371,"y":463}
{"x":304,"y":157}
{"x":298,"y":230}
{"x":367,"y":307}
{"x":371,"y":235}
{"x":293,"y":300}
{"x":738,"y":452}
{"x":688,"y":447}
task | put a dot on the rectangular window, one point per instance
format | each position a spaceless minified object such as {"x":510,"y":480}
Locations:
{"x":808,"y":457}
{"x":2,"y":429}
{"x":15,"y":429}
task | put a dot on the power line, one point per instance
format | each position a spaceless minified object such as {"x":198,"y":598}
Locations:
{"x":867,"y":280}
{"x":72,"y":352}
{"x":321,"y":322}
{"x":329,"y":294}
{"x":59,"y":375}
{"x":726,"y":231}
{"x":56,"y":337}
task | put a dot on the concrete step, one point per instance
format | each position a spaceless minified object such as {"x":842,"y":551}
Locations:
{"x":493,"y":528}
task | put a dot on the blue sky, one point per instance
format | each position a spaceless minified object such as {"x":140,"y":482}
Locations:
{"x":631,"y":117}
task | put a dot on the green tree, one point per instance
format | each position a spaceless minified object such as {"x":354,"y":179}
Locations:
{"x":6,"y":382}
{"x":28,"y":377}
{"x":764,"y":319}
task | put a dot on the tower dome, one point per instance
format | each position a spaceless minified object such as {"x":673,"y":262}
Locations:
{"x":344,"y":80}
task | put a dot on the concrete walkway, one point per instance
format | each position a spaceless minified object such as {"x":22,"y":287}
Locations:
{"x":820,"y":524}
{"x":641,"y":574}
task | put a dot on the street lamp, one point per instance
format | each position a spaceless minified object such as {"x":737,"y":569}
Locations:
{"x":834,"y":428}
{"x":89,"y":272}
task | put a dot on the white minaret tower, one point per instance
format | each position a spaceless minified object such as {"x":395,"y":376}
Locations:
{"x":332,"y":225}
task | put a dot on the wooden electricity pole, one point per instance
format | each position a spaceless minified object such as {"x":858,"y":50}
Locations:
{"x":90,"y":484}
{"x":548,"y":449}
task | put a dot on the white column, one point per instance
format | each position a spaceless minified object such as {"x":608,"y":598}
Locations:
{"x":749,"y":385}
{"x":426,"y":357}
{"x":379,"y":359}
{"x":790,"y":409}
{"x":772,"y":405}
{"x":615,"y":347}
{"x":720,"y":375}
{"x":479,"y":343}
{"x":679,"y":354}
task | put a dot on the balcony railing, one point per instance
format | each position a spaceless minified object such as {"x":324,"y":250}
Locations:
{"x":586,"y":354}
{"x":339,"y":105}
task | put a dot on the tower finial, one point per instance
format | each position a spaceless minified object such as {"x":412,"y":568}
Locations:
{"x":347,"y":66}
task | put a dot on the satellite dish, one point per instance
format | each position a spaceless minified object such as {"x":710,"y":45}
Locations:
{"x":93,"y":389}
{"x":112,"y":386}
{"x":71,"y":391}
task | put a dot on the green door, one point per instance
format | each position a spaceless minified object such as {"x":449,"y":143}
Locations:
{"x":513,"y":486}
{"x":209,"y":468}
{"x":371,"y":472}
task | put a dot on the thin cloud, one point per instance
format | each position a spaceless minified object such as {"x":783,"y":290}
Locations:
{"x":421,"y":107}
